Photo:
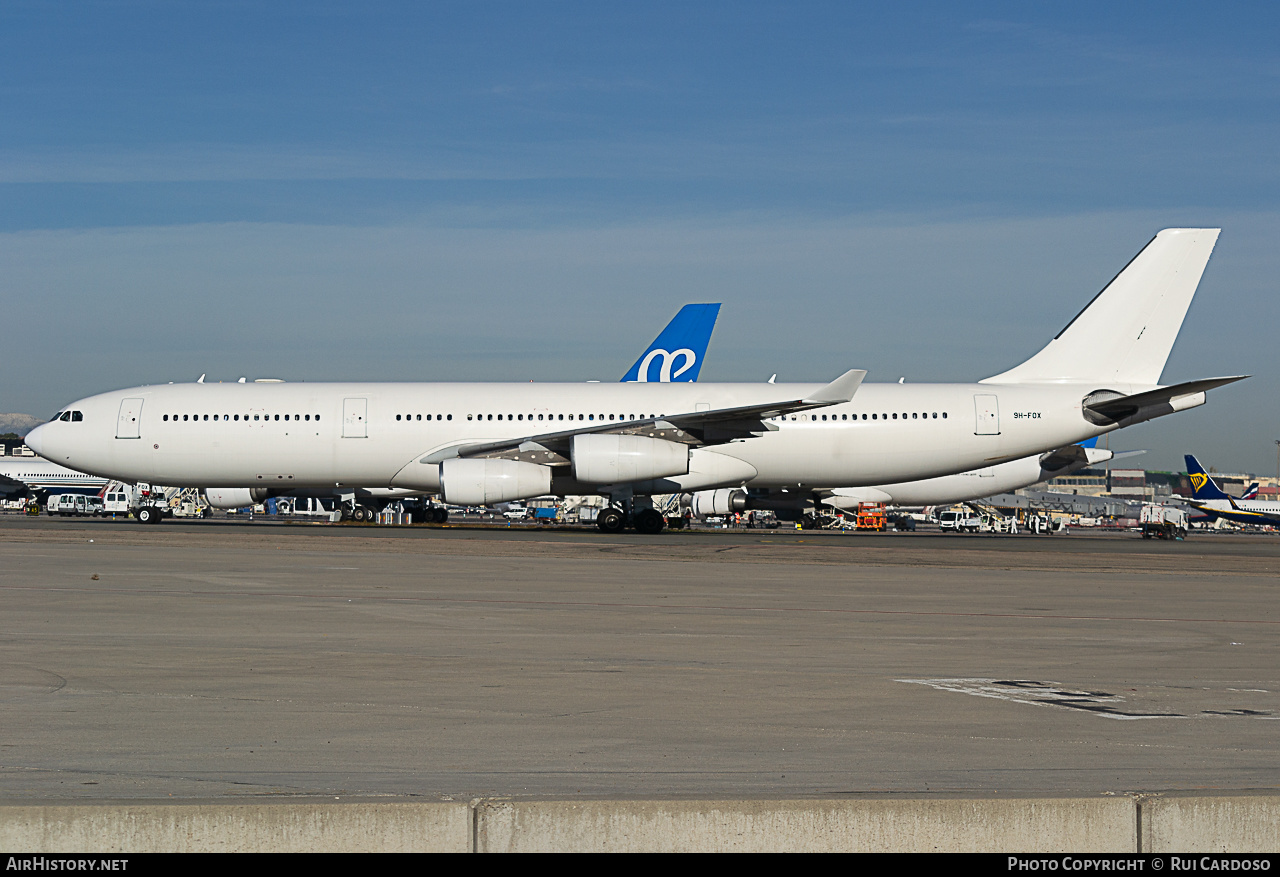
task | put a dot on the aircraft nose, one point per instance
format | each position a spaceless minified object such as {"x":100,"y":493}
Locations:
{"x":33,"y":440}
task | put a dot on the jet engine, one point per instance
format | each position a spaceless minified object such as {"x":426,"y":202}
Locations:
{"x":234,"y":497}
{"x":485,"y":482}
{"x":619,"y":459}
{"x":715,"y":502}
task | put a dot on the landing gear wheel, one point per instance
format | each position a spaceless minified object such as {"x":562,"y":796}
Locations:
{"x":808,"y":522}
{"x":611,"y":521}
{"x":439,"y":516}
{"x":649,"y":521}
{"x":360,"y":514}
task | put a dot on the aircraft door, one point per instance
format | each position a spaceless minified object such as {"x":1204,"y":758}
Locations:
{"x":987,"y":415}
{"x":355,"y":418}
{"x":129,"y":426}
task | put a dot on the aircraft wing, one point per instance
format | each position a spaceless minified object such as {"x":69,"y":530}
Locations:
{"x":13,"y":488}
{"x":695,"y":428}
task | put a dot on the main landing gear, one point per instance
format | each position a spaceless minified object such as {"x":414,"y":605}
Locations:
{"x":647,"y":520}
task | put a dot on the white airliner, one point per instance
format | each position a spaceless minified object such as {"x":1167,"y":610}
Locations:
{"x":28,"y":476}
{"x":1002,"y":478}
{"x":479,"y":444}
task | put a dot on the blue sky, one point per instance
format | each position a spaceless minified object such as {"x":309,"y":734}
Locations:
{"x":529,"y":190}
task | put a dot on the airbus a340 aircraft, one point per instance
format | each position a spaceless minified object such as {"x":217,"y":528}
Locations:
{"x":479,"y":444}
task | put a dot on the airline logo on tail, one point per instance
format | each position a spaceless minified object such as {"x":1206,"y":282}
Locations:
{"x":676,"y":354}
{"x":1203,"y":486}
{"x":665,"y":374}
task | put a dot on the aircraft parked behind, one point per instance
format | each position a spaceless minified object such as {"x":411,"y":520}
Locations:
{"x":1209,"y":498}
{"x":23,"y":477}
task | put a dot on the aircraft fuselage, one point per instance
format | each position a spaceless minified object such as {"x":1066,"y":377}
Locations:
{"x":324,"y":435}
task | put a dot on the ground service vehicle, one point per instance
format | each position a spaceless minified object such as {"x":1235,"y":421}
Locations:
{"x":1163,"y":522}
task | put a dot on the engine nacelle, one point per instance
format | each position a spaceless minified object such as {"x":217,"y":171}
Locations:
{"x":619,"y":459}
{"x":728,"y":501}
{"x":485,"y":482}
{"x":234,"y":497}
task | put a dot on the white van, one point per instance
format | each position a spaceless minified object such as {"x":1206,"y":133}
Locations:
{"x":66,"y":505}
{"x":116,"y":502}
{"x":959,"y":522}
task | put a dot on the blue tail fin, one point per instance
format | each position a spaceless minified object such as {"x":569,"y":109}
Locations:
{"x":678,"y":351}
{"x":1250,"y":492}
{"x":1205,"y":487}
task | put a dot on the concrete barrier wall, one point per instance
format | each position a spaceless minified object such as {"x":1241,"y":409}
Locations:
{"x":1101,"y":825}
{"x":1236,"y":824}
{"x":298,"y":827}
{"x":1240,"y":824}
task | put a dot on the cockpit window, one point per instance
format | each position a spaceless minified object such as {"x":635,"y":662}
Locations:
{"x":77,"y":416}
{"x":65,"y":416}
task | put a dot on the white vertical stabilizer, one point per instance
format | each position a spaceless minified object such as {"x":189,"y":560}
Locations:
{"x":1125,"y":334}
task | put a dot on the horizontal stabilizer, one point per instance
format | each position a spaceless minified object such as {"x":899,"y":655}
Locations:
{"x":1107,"y":408}
{"x":1074,"y":457}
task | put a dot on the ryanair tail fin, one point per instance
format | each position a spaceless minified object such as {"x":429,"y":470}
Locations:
{"x":1204,"y":486}
{"x":676,"y":354}
{"x":1125,"y":334}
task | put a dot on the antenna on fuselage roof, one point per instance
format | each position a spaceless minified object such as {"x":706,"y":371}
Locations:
{"x":902,"y":380}
{"x":774,"y":379}
{"x":241,"y":381}
{"x":200,"y":380}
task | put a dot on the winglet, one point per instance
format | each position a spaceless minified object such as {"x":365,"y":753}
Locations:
{"x":840,"y":390}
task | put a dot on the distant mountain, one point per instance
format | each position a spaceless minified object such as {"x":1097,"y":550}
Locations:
{"x":19,"y":423}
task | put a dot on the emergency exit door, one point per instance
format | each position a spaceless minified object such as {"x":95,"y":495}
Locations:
{"x":987,"y":415}
{"x":129,"y":426}
{"x":355,"y":415}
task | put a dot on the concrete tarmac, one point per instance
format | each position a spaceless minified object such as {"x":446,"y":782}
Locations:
{"x":230,"y":661}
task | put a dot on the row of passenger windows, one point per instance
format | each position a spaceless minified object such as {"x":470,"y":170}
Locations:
{"x":259,"y":417}
{"x":531,"y":417}
{"x":906,"y":415}
{"x":76,"y":415}
{"x":563,"y":417}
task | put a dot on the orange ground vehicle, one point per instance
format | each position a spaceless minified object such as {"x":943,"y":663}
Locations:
{"x":871,"y":516}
